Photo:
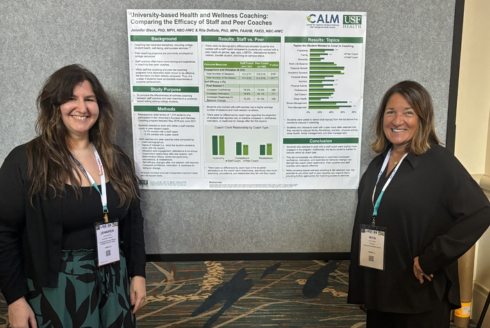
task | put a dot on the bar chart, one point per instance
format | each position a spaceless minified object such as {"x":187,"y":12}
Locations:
{"x":263,"y":150}
{"x":241,"y":145}
{"x":322,"y":75}
{"x":241,"y":149}
{"x":218,"y":145}
{"x":218,"y":148}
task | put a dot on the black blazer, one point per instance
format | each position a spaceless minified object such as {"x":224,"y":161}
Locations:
{"x":433,"y":209}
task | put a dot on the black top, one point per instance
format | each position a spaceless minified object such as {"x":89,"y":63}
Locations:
{"x":432,"y":209}
{"x":79,"y":216}
{"x":31,"y":234}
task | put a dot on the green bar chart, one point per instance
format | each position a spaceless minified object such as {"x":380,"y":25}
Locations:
{"x":240,"y":144}
{"x":322,"y":75}
{"x":240,"y":148}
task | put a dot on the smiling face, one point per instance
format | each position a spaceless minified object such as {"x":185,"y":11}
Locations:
{"x":400,"y":122}
{"x":81,"y":112}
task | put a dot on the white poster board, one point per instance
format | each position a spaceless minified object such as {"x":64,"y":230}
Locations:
{"x":247,"y":99}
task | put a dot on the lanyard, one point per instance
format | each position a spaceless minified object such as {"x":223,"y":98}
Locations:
{"x":103,"y":194}
{"x":385,"y":164}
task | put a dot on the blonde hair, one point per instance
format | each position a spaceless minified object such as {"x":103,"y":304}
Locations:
{"x":421,"y":102}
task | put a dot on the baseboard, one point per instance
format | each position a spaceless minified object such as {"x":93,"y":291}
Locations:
{"x":484,"y":181}
{"x":477,"y":287}
{"x":480,"y":294}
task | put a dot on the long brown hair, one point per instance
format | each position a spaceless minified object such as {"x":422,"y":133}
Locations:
{"x":421,"y":102}
{"x":48,"y":157}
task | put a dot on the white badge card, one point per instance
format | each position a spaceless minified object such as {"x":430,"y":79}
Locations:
{"x":372,"y":245}
{"x":107,"y":242}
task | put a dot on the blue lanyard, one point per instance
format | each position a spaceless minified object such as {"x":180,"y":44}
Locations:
{"x":385,"y":164}
{"x":103,"y":194}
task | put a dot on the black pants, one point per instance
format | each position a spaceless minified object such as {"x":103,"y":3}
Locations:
{"x":438,"y":317}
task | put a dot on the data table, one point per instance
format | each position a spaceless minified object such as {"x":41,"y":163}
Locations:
{"x":251,"y":81}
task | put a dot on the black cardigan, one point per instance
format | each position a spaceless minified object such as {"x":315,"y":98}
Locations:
{"x":432,"y":209}
{"x":31,"y":235}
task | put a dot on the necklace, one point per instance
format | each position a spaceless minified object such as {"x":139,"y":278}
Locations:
{"x":395,"y":161}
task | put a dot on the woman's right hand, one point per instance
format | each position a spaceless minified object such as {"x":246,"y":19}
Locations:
{"x":21,"y":314}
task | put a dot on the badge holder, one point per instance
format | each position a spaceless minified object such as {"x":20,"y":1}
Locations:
{"x":372,"y":246}
{"x":372,"y":237}
{"x":107,"y":235}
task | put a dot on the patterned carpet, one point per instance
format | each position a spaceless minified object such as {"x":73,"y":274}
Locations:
{"x":244,"y":294}
{"x":248,"y":294}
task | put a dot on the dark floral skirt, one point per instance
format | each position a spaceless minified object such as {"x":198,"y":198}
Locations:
{"x":86,"y":296}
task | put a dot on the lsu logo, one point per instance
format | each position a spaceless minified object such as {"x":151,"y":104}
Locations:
{"x":322,"y":19}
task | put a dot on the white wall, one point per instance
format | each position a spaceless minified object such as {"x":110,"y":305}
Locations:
{"x":472,"y":127}
{"x":474,"y":87}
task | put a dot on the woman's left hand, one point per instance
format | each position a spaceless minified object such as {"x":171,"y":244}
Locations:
{"x":137,"y":292}
{"x":419,"y":273}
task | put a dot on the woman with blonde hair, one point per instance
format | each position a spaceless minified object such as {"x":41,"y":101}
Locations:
{"x":418,"y":211}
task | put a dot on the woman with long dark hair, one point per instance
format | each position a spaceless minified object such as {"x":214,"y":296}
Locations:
{"x":71,"y":231}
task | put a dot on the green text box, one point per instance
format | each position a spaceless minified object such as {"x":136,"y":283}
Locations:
{"x":237,"y":38}
{"x":318,"y":39}
{"x":238,"y":64}
{"x":189,"y":109}
{"x":291,"y":141}
{"x":166,"y":89}
{"x":163,"y":38}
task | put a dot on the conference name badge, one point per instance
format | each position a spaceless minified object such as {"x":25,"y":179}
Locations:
{"x":372,"y":252}
{"x":107,"y":242}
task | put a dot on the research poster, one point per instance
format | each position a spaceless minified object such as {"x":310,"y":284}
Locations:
{"x":229,"y":99}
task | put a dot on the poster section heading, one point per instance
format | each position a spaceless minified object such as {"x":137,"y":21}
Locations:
{"x":227,"y":99}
